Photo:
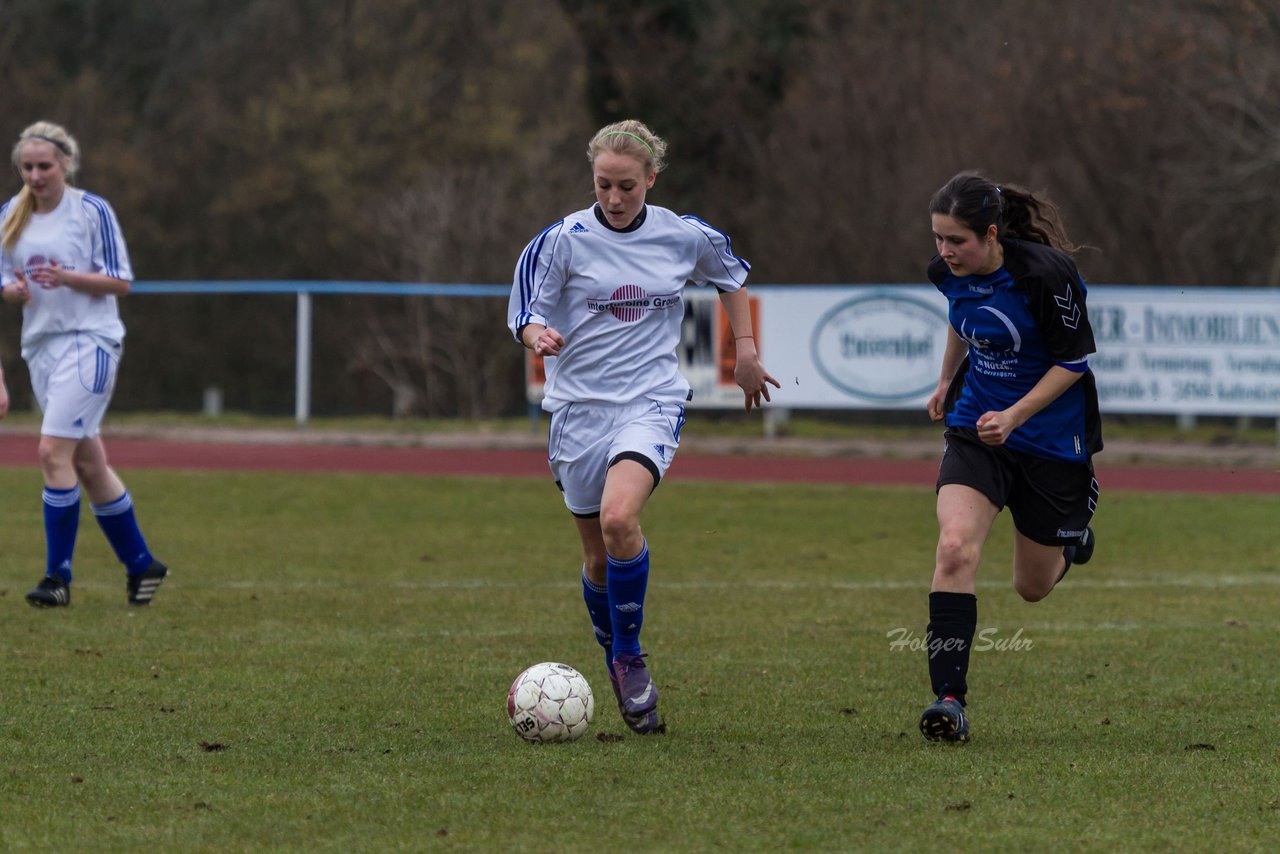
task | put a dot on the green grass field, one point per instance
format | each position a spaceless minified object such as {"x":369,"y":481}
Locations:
{"x":327,"y":667}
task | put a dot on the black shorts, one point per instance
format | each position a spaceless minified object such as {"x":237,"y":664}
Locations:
{"x":1051,"y":501}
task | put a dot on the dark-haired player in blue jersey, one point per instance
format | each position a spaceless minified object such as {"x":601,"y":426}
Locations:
{"x":1021,"y":411}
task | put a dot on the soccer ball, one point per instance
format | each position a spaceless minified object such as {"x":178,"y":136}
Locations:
{"x":550,"y":702}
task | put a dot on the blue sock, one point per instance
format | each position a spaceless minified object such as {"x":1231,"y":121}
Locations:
{"x":117,"y":521}
{"x":61,"y":520}
{"x":626,"y":581}
{"x":597,"y":599}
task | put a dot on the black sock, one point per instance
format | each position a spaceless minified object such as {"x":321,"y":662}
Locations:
{"x":1069,"y":555}
{"x":953,"y":618}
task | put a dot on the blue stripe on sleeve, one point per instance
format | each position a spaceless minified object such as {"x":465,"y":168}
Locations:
{"x":110,"y":256}
{"x":728,"y":245}
{"x":529,"y":269}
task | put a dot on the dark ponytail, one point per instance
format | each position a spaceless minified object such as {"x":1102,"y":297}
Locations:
{"x":977,"y":204}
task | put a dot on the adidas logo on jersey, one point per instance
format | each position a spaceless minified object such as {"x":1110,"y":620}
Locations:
{"x":662,"y":451}
{"x":578,"y":228}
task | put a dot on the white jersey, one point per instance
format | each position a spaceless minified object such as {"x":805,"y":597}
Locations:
{"x":81,"y":234}
{"x":615,"y":296}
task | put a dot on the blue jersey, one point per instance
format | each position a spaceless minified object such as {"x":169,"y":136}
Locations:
{"x":1020,"y":321}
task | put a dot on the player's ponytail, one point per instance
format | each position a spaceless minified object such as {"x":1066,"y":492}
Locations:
{"x":65,"y":148}
{"x":19,"y":215}
{"x":977,"y":203}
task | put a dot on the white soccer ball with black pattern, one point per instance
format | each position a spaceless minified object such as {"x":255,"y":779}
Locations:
{"x":550,"y":702}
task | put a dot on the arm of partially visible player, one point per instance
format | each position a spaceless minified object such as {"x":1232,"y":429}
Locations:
{"x":748,"y":371}
{"x":54,"y":275}
{"x":4,"y":395}
{"x":952,"y":357}
{"x":994,"y":427}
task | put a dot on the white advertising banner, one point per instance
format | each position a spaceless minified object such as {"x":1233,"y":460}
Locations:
{"x":1161,"y":350}
{"x":1200,"y":351}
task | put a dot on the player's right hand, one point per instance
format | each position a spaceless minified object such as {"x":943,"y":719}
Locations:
{"x":548,"y":342}
{"x":18,"y":290}
{"x":936,"y":403}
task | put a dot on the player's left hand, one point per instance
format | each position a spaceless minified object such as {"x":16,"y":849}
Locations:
{"x":754,"y":380}
{"x":48,"y":276}
{"x":994,"y":427}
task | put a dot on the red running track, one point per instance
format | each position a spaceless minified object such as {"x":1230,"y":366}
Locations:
{"x":128,"y":454}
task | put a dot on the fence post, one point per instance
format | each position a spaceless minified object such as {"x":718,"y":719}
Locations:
{"x":302,"y":387}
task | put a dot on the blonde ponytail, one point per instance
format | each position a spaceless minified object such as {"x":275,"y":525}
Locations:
{"x":19,"y":215}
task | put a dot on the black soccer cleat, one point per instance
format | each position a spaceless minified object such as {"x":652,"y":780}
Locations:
{"x":143,"y":585}
{"x":50,"y":593}
{"x":945,"y":720}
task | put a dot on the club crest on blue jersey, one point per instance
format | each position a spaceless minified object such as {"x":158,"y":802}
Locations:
{"x":629,"y":303}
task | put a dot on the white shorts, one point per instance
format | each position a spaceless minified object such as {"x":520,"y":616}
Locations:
{"x":73,"y":376}
{"x":588,"y":438}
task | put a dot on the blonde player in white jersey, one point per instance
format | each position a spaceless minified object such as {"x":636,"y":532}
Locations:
{"x":598,"y":294}
{"x":63,"y":258}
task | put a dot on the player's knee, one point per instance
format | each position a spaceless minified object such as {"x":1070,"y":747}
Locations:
{"x":1031,"y":590}
{"x":53,"y":458}
{"x":619,"y":529}
{"x":956,"y":558}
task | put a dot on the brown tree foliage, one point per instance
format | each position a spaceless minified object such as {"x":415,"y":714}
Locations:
{"x":404,"y":140}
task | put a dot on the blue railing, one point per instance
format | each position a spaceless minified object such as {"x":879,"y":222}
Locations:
{"x":305,"y":290}
{"x":268,"y":286}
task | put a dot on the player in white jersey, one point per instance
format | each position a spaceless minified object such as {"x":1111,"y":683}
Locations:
{"x":598,"y":294}
{"x":63,"y":258}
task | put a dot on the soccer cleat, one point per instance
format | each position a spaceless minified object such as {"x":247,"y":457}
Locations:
{"x":644,"y":724}
{"x":50,"y":593}
{"x":945,"y":720}
{"x":636,"y":694}
{"x":143,"y":585}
